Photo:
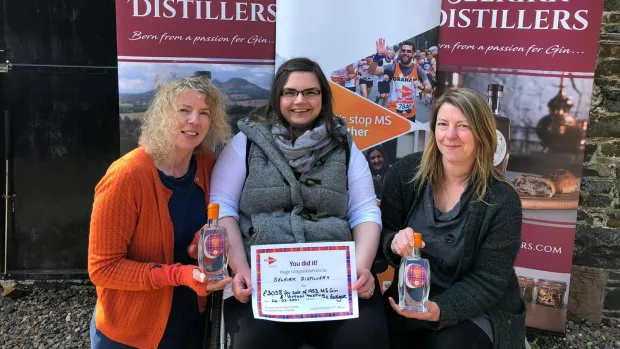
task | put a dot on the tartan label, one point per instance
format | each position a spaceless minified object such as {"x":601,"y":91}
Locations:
{"x":214,"y":245}
{"x":416,"y":276}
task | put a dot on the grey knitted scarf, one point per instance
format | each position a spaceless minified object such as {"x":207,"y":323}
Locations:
{"x":307,"y":148}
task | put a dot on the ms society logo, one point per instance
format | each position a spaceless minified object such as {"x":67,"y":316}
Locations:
{"x":270,"y":261}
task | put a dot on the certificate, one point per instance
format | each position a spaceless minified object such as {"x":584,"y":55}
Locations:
{"x":304,"y":282}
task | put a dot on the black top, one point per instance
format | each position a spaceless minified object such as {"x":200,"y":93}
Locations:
{"x":442,"y":234}
{"x":187,"y":208}
{"x":188,"y":212}
{"x":484,"y":280}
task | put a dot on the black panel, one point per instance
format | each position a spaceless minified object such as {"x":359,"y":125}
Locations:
{"x":61,"y":32}
{"x":5,"y":167}
{"x":3,"y":144}
{"x":65,"y":130}
{"x":3,"y":47}
{"x":65,"y":136}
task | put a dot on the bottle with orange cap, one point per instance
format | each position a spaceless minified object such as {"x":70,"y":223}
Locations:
{"x":213,"y":246}
{"x":414,"y":279}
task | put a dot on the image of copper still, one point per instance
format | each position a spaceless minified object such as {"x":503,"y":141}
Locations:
{"x":559,"y":131}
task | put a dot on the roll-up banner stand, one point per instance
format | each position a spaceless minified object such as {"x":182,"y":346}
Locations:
{"x":386,"y":114}
{"x":535,"y":60}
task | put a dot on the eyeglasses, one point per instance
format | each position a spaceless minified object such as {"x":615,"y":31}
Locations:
{"x":310,"y":93}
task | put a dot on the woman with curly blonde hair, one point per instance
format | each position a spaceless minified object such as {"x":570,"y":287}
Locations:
{"x":147,"y":210}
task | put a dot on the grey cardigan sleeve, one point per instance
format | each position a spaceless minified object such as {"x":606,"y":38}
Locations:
{"x":482,"y":286}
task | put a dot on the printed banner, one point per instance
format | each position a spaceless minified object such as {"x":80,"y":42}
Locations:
{"x":230,"y":42}
{"x":535,"y":62}
{"x":387,"y":106}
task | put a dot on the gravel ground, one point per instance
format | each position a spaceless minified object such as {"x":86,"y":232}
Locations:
{"x":48,"y":318}
{"x":582,"y":335}
{"x":57,"y":315}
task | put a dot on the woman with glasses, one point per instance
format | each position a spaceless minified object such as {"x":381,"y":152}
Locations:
{"x":294,"y":175}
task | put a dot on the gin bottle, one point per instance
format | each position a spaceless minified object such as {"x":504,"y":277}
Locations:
{"x":213,"y":247}
{"x":414,"y":279}
{"x":495,"y":93}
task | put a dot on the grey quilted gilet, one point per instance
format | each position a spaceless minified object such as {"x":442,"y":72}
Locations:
{"x":278,"y":208}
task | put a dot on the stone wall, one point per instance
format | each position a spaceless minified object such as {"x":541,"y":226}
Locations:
{"x":596,"y":273}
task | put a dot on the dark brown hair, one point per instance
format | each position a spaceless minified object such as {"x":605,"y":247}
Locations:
{"x":271,"y":112}
{"x":408,"y":43}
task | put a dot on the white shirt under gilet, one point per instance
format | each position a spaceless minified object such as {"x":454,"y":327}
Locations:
{"x":229,"y":176}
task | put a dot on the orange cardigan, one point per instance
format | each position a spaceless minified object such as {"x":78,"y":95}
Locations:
{"x":130,"y":228}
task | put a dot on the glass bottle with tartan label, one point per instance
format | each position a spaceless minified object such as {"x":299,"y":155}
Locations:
{"x":495,"y":93}
{"x":414,"y":279}
{"x":213,"y":247}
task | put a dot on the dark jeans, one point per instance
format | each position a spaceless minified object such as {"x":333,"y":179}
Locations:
{"x":99,"y":340}
{"x":178,"y":334}
{"x":407,"y":333}
{"x":368,"y":331}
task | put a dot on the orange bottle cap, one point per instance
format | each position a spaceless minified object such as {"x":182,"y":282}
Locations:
{"x":417,"y":237}
{"x":213,"y":211}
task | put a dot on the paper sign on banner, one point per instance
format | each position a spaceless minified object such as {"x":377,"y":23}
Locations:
{"x":304,"y":282}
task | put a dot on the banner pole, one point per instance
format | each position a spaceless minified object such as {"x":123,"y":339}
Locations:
{"x":7,"y":195}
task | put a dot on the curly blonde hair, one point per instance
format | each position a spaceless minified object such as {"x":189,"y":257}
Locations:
{"x":160,"y":117}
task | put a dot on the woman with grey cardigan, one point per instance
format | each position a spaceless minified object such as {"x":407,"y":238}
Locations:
{"x":470,"y":220}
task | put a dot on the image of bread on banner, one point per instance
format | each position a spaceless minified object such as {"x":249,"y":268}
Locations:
{"x":558,"y":181}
